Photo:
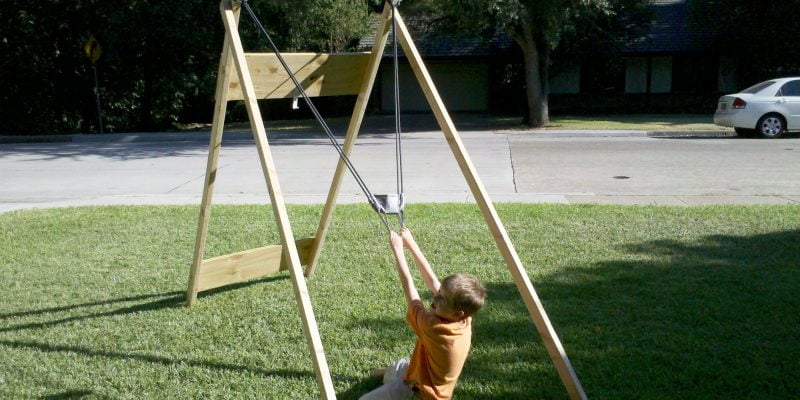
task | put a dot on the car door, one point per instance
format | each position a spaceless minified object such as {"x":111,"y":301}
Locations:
{"x":789,"y":97}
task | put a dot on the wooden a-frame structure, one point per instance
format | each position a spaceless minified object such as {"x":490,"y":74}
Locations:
{"x":253,"y":76}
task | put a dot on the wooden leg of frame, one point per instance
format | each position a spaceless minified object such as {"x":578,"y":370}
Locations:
{"x":534,"y":305}
{"x":218,"y":123}
{"x":310,"y":328}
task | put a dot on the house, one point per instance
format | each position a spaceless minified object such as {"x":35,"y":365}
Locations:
{"x":463,"y":69}
{"x":668,"y":66}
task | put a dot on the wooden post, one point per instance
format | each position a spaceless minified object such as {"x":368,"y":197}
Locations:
{"x":310,"y":328}
{"x":218,"y":123}
{"x":534,"y":305}
{"x":381,"y":36}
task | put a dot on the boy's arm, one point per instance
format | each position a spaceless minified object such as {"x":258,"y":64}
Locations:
{"x":428,"y":276}
{"x":402,"y":268}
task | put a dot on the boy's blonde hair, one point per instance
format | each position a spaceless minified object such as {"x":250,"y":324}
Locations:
{"x":463,"y":292}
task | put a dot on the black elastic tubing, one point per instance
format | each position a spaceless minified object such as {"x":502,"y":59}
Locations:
{"x":397,"y":129}
{"x":349,"y":164}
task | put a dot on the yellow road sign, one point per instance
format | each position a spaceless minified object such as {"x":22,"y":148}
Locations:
{"x":92,"y":49}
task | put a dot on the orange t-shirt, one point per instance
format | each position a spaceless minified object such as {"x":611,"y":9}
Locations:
{"x":439,"y":353}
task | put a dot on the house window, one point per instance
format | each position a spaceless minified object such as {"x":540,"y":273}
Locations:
{"x":565,"y":79}
{"x":603,"y":76}
{"x":636,"y":75}
{"x":694,"y":74}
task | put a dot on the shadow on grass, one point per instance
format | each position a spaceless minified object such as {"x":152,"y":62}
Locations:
{"x":84,"y":305}
{"x":70,"y":394}
{"x":362,"y":387}
{"x":167,"y":300}
{"x":712,"y":318}
{"x":240,"y":285}
{"x":174,"y":362}
{"x":164,"y":301}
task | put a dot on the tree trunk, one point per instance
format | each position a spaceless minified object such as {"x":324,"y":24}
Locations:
{"x":536,"y":57}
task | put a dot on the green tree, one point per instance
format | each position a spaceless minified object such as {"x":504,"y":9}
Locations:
{"x":326,"y":25}
{"x":538,"y":27}
{"x":159,"y":58}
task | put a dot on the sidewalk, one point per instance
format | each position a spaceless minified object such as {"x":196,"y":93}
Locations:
{"x":540,"y":166}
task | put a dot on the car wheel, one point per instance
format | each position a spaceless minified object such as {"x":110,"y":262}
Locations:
{"x":744,"y":132}
{"x":771,"y":126}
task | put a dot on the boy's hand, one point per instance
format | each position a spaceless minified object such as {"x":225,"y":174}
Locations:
{"x":408,"y":240}
{"x":396,"y":241}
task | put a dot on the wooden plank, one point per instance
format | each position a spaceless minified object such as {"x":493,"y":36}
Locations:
{"x":368,"y":79}
{"x":531,"y":299}
{"x":249,"y":264}
{"x":320,"y":74}
{"x":218,"y":123}
{"x":310,"y":328}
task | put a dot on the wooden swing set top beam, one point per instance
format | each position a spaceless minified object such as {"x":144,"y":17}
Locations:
{"x":320,"y":74}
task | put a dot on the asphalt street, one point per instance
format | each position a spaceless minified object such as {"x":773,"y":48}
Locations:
{"x":611,"y":168}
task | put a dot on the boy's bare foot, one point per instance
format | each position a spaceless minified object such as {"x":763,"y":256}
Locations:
{"x":377,"y":372}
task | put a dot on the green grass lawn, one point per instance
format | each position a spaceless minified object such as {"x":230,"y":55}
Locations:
{"x":649,"y":302}
{"x":468,"y":122}
{"x":644,"y":122}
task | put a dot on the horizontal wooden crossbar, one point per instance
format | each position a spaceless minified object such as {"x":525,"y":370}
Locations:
{"x":247,"y":265}
{"x":320,"y":74}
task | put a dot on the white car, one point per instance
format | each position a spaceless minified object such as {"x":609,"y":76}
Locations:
{"x":771,"y":108}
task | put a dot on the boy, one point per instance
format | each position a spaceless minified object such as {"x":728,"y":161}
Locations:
{"x":443,"y":334}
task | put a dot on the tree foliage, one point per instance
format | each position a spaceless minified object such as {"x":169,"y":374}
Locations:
{"x":325,"y":25}
{"x":159,"y":59}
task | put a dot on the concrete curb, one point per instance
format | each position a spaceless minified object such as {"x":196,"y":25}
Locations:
{"x":680,"y":200}
{"x":698,"y":134}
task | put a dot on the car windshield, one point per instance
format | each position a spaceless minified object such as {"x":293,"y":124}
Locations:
{"x":757,"y":88}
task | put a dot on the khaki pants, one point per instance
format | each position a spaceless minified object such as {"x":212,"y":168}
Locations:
{"x":394,"y":388}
